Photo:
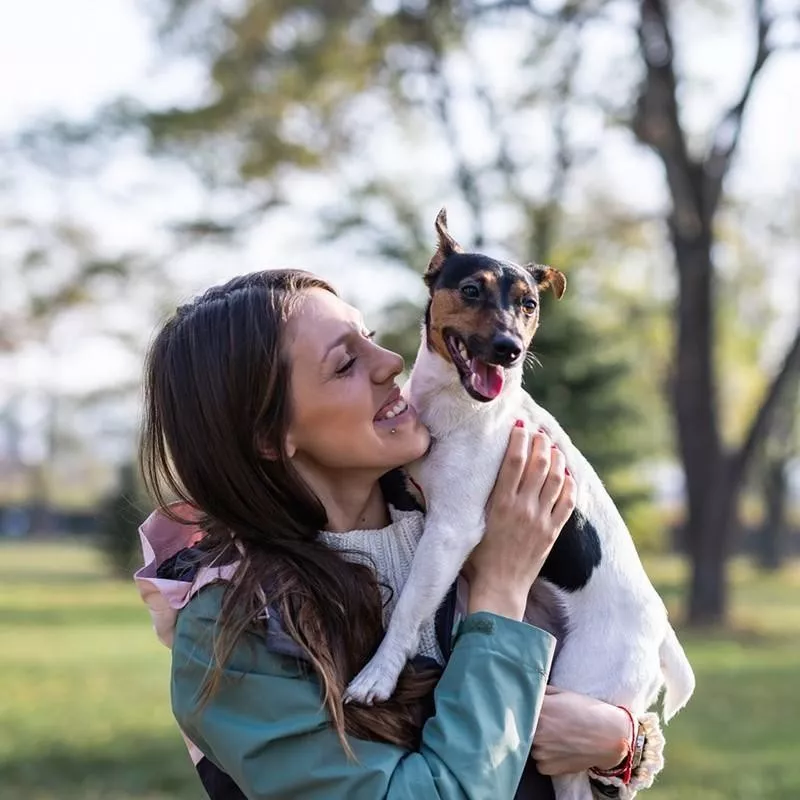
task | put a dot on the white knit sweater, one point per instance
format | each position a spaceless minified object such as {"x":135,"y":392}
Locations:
{"x":389,"y":551}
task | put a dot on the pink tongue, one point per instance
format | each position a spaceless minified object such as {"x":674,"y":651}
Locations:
{"x":487,"y":379}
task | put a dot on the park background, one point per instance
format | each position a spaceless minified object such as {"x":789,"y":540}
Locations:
{"x":650,"y":149}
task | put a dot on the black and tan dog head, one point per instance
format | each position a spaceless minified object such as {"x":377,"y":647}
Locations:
{"x":482,"y":313}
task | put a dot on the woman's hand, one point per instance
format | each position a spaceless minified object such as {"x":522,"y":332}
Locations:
{"x":531,"y":500}
{"x":576,"y":733}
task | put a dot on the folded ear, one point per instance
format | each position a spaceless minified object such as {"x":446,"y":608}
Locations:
{"x":548,"y":278}
{"x":446,"y":247}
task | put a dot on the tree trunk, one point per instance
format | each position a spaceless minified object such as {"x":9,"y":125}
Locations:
{"x":771,"y":538}
{"x":710,"y":494}
{"x":712,"y":537}
{"x":41,"y":517}
{"x":708,"y":590}
{"x":713,"y":477}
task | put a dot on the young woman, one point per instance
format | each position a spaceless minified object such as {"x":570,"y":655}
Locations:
{"x":269,"y":416}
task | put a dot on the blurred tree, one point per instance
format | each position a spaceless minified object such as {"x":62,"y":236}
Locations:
{"x":120,"y":517}
{"x":51,"y":270}
{"x":63,"y":288}
{"x":306,"y":85}
{"x":778,"y":453}
{"x":584,"y":378}
{"x":714,"y":473}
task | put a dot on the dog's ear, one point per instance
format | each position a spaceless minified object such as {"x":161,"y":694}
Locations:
{"x":446,"y":247}
{"x":548,"y":278}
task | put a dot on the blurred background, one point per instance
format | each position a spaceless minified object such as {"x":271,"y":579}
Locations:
{"x":650,"y":149}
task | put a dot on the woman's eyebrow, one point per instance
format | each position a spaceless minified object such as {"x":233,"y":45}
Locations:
{"x":340,"y":340}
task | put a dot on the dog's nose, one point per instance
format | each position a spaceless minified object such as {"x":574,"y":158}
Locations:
{"x":506,"y":349}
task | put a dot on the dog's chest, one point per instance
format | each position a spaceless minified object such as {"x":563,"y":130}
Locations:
{"x":469,"y":453}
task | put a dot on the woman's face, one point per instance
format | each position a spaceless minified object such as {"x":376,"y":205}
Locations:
{"x":345,"y":402}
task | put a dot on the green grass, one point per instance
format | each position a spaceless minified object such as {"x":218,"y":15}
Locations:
{"x":84,"y":709}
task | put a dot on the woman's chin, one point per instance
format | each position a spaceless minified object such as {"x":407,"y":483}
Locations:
{"x":404,"y":437}
{"x":411,"y":446}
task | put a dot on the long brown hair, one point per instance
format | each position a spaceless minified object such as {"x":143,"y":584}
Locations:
{"x":216,"y":395}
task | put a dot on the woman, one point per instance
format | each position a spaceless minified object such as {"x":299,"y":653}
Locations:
{"x":268,"y":415}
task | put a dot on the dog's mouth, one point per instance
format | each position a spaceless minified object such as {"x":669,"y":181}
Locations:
{"x":482,"y":380}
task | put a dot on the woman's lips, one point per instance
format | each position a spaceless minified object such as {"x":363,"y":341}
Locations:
{"x":408,"y":414}
{"x":393,"y":400}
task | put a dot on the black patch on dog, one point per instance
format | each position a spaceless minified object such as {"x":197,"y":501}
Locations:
{"x":575,"y":554}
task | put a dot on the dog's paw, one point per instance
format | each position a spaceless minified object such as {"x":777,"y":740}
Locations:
{"x":374,"y":684}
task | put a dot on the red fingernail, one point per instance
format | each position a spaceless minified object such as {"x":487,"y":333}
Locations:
{"x":520,"y":423}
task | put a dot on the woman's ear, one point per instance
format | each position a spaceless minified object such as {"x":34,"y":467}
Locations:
{"x":269,"y":452}
{"x":289,"y":444}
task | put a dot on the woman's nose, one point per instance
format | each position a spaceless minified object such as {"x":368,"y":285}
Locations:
{"x":387,"y":365}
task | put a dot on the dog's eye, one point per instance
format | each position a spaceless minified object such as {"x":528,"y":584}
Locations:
{"x":528,"y":305}
{"x":470,"y":291}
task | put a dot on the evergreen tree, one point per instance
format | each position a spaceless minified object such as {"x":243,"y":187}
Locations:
{"x":120,"y":517}
{"x":580,"y":375}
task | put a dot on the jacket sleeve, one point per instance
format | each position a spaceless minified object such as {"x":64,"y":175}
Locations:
{"x":266,"y":727}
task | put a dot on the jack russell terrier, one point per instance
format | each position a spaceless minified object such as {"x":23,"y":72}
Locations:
{"x":466,"y":386}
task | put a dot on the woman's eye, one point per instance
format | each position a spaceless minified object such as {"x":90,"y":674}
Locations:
{"x":368,"y":334}
{"x":346,"y":367}
{"x":470,"y":291}
{"x":528,"y":305}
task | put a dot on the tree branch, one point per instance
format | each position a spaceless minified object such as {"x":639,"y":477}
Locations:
{"x":657,"y":121}
{"x":466,"y":176}
{"x":479,"y":8}
{"x":788,"y":371}
{"x":728,"y":130}
{"x":571,"y":9}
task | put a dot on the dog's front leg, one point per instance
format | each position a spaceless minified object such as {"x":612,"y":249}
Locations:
{"x":444,"y":547}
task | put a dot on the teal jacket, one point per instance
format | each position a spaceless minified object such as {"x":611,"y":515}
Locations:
{"x":266,"y":726}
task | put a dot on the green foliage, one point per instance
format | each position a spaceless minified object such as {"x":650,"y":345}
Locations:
{"x":86,"y":715}
{"x":583,"y":379}
{"x":120,"y":517}
{"x":286,"y":78}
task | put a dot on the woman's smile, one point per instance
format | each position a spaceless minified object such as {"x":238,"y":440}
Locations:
{"x":394,"y":413}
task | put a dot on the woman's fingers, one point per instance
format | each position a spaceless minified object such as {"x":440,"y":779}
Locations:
{"x":565,"y":504}
{"x":554,"y":481}
{"x":513,"y":466}
{"x":538,"y":465}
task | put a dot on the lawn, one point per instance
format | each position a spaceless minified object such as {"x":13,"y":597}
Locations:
{"x":84,"y":712}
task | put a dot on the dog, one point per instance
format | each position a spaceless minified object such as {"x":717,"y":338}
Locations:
{"x":466,"y":386}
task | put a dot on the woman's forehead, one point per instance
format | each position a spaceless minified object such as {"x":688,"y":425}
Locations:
{"x":317,"y":319}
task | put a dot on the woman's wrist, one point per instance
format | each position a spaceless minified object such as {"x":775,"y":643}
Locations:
{"x":618,"y":733}
{"x":498,"y":600}
{"x":643,"y":763}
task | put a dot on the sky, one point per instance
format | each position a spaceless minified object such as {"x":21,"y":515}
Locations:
{"x":68,"y":58}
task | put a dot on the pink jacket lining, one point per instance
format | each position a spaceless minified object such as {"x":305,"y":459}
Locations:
{"x":161,"y":538}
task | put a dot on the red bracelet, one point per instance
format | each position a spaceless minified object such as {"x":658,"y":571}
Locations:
{"x":624,"y":769}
